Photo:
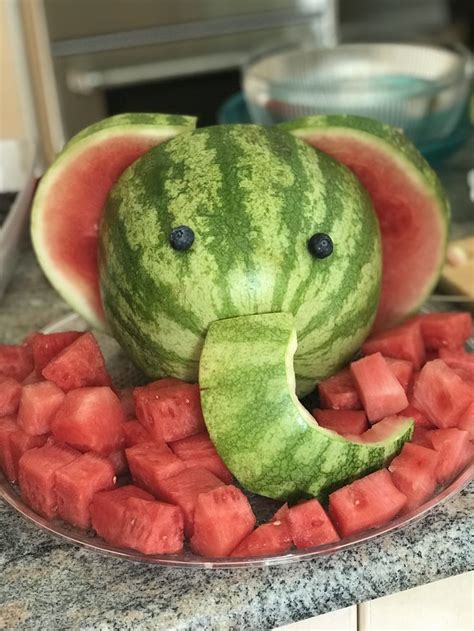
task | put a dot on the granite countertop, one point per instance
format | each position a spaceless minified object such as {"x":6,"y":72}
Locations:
{"x":48,"y":584}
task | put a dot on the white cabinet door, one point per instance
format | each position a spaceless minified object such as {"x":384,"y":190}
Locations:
{"x":446,"y":605}
{"x":340,"y":620}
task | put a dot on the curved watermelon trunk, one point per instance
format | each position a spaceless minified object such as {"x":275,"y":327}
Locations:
{"x":68,"y":204}
{"x":269,"y":441}
{"x":411,"y":206}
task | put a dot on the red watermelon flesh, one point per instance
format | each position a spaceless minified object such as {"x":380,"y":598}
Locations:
{"x":401,"y":342}
{"x":198,"y":451}
{"x":281,"y":513}
{"x":466,"y":422}
{"x":414,"y":474}
{"x":420,"y":419}
{"x":135,"y":434}
{"x":421,"y":436}
{"x":381,"y":430}
{"x":441,"y":394}
{"x":151,"y":462}
{"x":90,"y":419}
{"x":268,"y":539}
{"x":448,"y":330}
{"x":20,"y":443}
{"x":455,"y":452}
{"x":342,"y":421}
{"x":10,"y":392}
{"x":151,"y":527}
{"x":339,"y":392}
{"x":366,"y":503}
{"x":412,"y":218}
{"x":77,"y":483}
{"x":47,"y":346}
{"x":79,"y":365}
{"x":402,"y":369}
{"x":309,"y":525}
{"x":7,"y":427}
{"x":107,"y":511}
{"x":184,"y":489}
{"x":32,"y":378}
{"x":223,"y":517}
{"x":459,"y":359}
{"x":379,"y":390}
{"x":169,"y":411}
{"x":119,"y":462}
{"x":16,"y":361}
{"x":37,"y":474}
{"x":38,"y":406}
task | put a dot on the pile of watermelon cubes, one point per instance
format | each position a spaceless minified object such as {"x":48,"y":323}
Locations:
{"x":138,"y":467}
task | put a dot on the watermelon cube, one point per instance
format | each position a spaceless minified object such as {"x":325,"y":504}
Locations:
{"x":310,"y":526}
{"x":77,"y":483}
{"x":455,"y":452}
{"x":342,"y":421}
{"x":441,"y":395}
{"x":459,"y":359}
{"x":445,"y":330}
{"x":38,"y":406}
{"x":379,"y":390}
{"x":37,"y":475}
{"x":32,"y":378}
{"x":10,"y":392}
{"x":198,"y":451}
{"x":402,"y":342}
{"x":134,"y":434}
{"x":402,"y":369}
{"x":7,"y":427}
{"x":466,"y":422}
{"x":272,"y":538}
{"x":223,"y":517}
{"x":383,"y":429}
{"x":151,"y":462}
{"x":107,"y":511}
{"x":421,"y":436}
{"x":184,"y":489}
{"x":90,"y":419}
{"x":128,"y":404}
{"x":152,"y":527}
{"x":366,"y":503}
{"x":21,"y":442}
{"x":79,"y":365}
{"x":281,"y":513}
{"x":16,"y":361}
{"x":420,"y":419}
{"x":170,"y":411}
{"x":47,"y":346}
{"x":339,"y":392}
{"x":413,"y":472}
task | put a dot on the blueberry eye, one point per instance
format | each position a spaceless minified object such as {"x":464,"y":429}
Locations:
{"x":320,"y":245}
{"x":181,"y":238}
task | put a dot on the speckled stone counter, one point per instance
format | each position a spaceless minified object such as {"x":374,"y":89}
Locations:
{"x":47,"y":584}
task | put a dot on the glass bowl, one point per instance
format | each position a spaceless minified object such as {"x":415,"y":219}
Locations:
{"x":421,"y":89}
{"x":124,"y":373}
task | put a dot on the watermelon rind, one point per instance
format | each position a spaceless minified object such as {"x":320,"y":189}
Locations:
{"x":269,"y":441}
{"x":390,"y":142}
{"x":152,"y":128}
{"x":253,"y":197}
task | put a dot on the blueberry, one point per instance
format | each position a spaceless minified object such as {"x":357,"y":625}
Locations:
{"x":181,"y":238}
{"x":320,"y":245}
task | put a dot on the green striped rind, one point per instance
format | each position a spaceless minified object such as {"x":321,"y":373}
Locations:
{"x":394,"y":143}
{"x":135,"y":119}
{"x":268,"y":440}
{"x":159,"y":127}
{"x":253,"y":197}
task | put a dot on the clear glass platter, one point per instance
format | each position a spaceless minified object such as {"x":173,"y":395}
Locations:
{"x":125,"y":374}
